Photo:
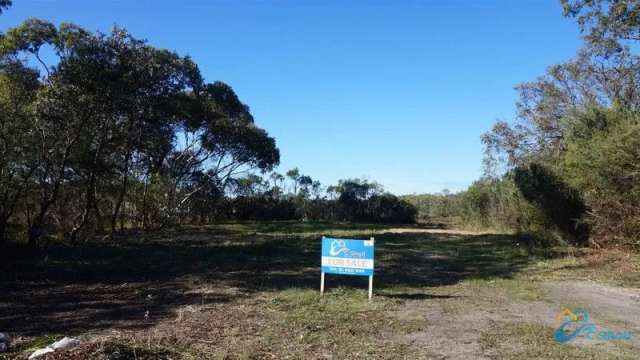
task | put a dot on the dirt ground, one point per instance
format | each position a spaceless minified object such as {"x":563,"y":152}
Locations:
{"x":460,"y":334}
{"x":250,"y":291}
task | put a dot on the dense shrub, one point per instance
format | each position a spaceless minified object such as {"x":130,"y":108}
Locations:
{"x":561,"y":205}
{"x":605,"y":166}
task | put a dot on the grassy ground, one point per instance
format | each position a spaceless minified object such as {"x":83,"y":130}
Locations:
{"x":250,"y":290}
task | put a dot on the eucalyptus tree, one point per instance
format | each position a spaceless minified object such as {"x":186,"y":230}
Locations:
{"x":593,"y":78}
{"x":149,"y":87}
{"x":294,"y":175}
{"x":605,"y":73}
{"x":218,"y":134}
{"x":546,"y":105}
{"x":251,"y":185}
{"x":277,"y":181}
{"x":576,"y":117}
{"x":18,"y":86}
{"x":114,"y":115}
{"x":305,"y":183}
{"x":54,"y":128}
{"x":316,"y":189}
{"x":606,"y":23}
{"x":353,"y":196}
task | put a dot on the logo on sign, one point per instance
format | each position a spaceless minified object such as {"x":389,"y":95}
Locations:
{"x":338,"y":247}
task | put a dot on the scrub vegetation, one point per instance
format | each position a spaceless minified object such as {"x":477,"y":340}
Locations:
{"x":566,"y":169}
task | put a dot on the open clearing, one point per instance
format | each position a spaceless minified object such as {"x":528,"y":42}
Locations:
{"x":250,"y":290}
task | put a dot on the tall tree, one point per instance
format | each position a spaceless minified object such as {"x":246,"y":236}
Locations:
{"x":294,"y":175}
{"x":113,"y":122}
{"x":18,"y":87}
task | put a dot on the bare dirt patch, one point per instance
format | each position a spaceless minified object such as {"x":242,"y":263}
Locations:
{"x":487,"y":323}
{"x":456,"y":322}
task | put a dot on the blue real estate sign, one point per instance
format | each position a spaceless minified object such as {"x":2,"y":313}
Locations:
{"x":347,"y":257}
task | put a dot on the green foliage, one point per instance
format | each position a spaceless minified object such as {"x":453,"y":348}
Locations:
{"x":434,"y":206}
{"x":30,"y":36}
{"x":560,"y":204}
{"x":358,"y":201}
{"x":606,"y":22}
{"x":496,"y":204}
{"x":116,"y":131}
{"x":18,"y":85}
{"x":573,"y":146}
{"x":605,"y":164}
{"x":488,"y":204}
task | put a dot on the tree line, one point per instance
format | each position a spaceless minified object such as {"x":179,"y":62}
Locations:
{"x":103,"y":132}
{"x":568,"y":166}
{"x":294,"y":196}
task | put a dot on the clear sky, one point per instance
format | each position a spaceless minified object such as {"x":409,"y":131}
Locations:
{"x":394,"y":91}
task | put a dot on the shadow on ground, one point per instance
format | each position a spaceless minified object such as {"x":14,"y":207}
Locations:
{"x":98,"y":286}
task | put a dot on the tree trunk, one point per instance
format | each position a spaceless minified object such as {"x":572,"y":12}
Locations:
{"x":89,"y":204}
{"x":123,"y":190}
{"x":144,"y":204}
{"x":90,"y":196}
{"x":3,"y":231}
{"x":35,"y":231}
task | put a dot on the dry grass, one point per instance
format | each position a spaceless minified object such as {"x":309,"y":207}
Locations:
{"x":249,"y":291}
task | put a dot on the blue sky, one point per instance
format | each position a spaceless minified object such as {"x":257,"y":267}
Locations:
{"x":393,"y":91}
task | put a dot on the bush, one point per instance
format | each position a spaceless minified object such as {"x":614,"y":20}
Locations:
{"x":605,"y":166}
{"x":561,"y":205}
